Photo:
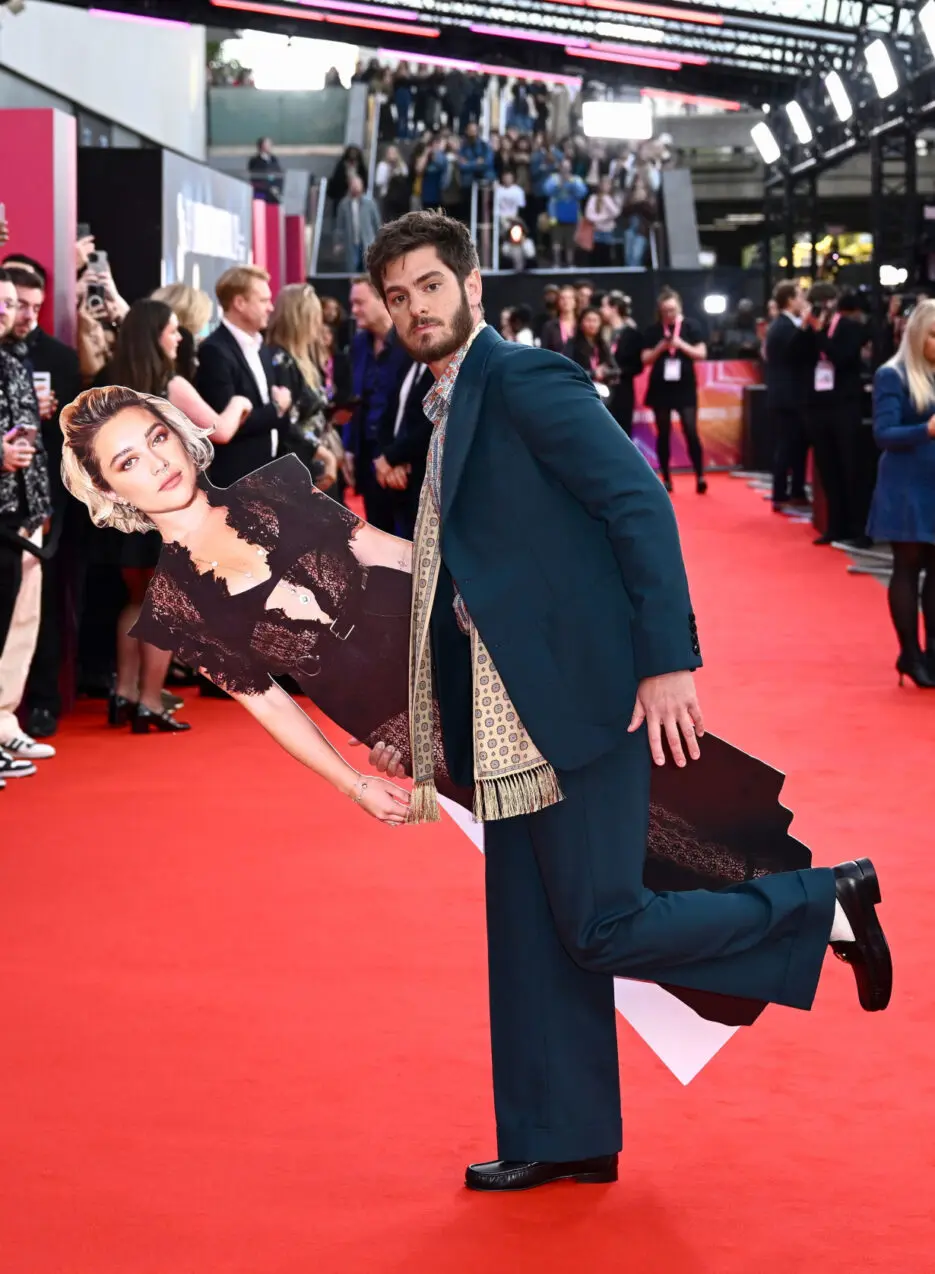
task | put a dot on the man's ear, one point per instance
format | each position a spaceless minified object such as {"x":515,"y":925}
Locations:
{"x":474,"y":287}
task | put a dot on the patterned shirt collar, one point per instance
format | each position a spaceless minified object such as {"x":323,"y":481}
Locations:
{"x":438,"y":399}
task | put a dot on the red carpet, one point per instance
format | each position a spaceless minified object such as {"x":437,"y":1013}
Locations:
{"x":244,"y":1028}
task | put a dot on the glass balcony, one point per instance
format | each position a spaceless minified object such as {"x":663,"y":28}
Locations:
{"x":238,"y":116}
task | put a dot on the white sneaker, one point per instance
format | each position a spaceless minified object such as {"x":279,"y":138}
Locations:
{"x":26,"y":749}
{"x":11,"y":768}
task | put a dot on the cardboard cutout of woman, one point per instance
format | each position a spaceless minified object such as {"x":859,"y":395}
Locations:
{"x":271,"y":578}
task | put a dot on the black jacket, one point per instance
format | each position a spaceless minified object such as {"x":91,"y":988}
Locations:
{"x":223,"y":371}
{"x":791,"y":354}
{"x":410,"y":445}
{"x":48,"y":354}
{"x":843,"y":351}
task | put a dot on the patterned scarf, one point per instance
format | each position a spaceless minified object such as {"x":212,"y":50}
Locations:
{"x":510,"y":775}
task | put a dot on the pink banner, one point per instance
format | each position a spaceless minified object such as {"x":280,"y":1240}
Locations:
{"x":296,"y":266}
{"x":38,"y":160}
{"x":720,"y":414}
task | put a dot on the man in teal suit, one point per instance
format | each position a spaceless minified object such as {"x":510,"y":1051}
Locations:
{"x":548,"y":563}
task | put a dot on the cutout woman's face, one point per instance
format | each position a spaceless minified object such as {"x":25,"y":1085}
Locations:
{"x":144,"y":463}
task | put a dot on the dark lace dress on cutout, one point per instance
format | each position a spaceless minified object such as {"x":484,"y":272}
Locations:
{"x":356,"y":670}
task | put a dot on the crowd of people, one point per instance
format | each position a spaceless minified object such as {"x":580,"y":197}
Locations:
{"x":551,"y":195}
{"x":820,"y":351}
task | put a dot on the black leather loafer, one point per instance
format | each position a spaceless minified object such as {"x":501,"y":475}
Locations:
{"x":858,"y":892}
{"x":509,"y":1174}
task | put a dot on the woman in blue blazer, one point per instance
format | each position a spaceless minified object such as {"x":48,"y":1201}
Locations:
{"x":903,"y":508}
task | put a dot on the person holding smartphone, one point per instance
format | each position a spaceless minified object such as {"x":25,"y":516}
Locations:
{"x":25,"y":504}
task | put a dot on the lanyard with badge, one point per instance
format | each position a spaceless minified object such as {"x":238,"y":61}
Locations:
{"x":824,"y":368}
{"x":672,"y":367}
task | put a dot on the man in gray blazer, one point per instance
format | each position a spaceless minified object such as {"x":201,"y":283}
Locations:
{"x":357,"y":223}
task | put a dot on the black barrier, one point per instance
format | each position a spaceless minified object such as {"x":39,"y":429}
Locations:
{"x":509,"y":288}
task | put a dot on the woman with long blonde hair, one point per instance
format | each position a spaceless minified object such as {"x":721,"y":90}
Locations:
{"x":903,"y":507}
{"x":295,"y":353}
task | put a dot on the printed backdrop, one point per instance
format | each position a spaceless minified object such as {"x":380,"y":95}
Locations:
{"x":720,"y":414}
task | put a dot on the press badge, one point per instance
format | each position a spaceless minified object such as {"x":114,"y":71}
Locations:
{"x":824,"y":378}
{"x":672,"y":369}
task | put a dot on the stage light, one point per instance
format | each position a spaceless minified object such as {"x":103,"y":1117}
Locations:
{"x":715,"y":304}
{"x":927,"y":22}
{"x":618,"y":121}
{"x":840,"y":98}
{"x":800,"y":125}
{"x":765,"y":143}
{"x":881,"y":68}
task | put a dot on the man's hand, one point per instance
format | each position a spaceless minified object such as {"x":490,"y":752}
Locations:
{"x":381,"y":469}
{"x":385,"y":758}
{"x":83,"y":249}
{"x":17,"y":454}
{"x":398,"y":479}
{"x":347,"y":468}
{"x":669,"y":703}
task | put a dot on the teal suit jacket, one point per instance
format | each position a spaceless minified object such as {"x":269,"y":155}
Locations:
{"x":564,"y":546}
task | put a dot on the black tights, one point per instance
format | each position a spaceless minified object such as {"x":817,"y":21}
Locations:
{"x":910,"y":561}
{"x":689,"y":419}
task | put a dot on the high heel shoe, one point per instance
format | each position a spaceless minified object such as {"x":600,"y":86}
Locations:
{"x":701,"y":486}
{"x":911,"y":664}
{"x":667,"y":483}
{"x":145,"y":719}
{"x":119,"y":709}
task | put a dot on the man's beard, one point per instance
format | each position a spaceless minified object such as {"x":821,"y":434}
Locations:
{"x":448,"y":340}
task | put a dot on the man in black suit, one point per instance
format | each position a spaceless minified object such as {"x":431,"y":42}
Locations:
{"x":62,"y":573}
{"x":229,"y":363}
{"x":835,"y":414}
{"x":790,"y":363}
{"x":401,"y":467}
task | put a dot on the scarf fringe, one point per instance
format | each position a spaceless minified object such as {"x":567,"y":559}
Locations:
{"x":423,"y":804}
{"x":509,"y":795}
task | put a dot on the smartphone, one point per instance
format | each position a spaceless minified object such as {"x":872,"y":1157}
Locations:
{"x":98,"y":262}
{"x":2,"y":212}
{"x":42,"y":382}
{"x":84,"y":230}
{"x":23,"y":431}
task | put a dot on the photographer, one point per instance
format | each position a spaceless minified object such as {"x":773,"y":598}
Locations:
{"x":57,"y":380}
{"x":25,"y":504}
{"x":834,"y":411}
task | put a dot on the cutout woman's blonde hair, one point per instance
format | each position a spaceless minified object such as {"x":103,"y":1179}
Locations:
{"x":82,"y":420}
{"x":910,"y":361}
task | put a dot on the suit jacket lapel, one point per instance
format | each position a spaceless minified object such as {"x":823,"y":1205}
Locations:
{"x":463,"y":414}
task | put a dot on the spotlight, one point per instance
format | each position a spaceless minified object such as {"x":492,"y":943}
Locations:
{"x":715,"y":304}
{"x":840,"y":99}
{"x":881,"y":68}
{"x":765,"y":143}
{"x":927,"y":22}
{"x":800,"y":125}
